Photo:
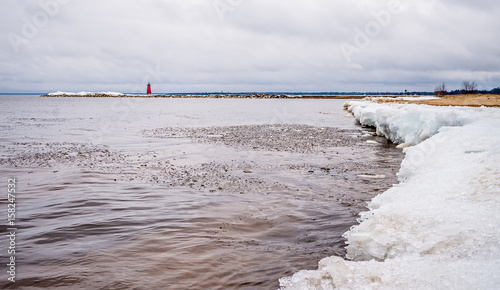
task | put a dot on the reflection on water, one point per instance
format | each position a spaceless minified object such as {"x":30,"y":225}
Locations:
{"x":135,"y":211}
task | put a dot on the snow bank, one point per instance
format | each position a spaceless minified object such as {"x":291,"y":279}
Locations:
{"x":439,"y":227}
{"x":84,"y":94}
{"x":417,"y":98}
{"x":410,"y":124}
{"x":112,"y":93}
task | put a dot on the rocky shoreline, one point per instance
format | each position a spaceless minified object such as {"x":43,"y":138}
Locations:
{"x":214,"y":96}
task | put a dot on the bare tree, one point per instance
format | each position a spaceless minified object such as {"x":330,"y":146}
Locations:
{"x":440,"y":90}
{"x":473,"y":87}
{"x":469,"y":87}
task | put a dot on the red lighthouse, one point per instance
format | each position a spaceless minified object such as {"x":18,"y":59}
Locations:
{"x":149,"y":89}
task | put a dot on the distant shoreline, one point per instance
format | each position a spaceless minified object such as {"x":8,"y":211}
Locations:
{"x":473,"y":100}
{"x":213,"y":96}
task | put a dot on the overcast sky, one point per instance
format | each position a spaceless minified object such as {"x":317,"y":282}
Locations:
{"x":248,"y":45}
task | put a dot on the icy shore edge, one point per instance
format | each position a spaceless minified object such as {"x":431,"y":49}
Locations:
{"x":439,"y":227}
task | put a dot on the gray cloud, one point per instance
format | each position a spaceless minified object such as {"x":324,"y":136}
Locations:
{"x":247,"y":45}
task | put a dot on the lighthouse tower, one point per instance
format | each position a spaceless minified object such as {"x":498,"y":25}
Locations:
{"x":149,"y":89}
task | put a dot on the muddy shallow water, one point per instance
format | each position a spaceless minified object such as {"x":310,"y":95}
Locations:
{"x":183,"y":193}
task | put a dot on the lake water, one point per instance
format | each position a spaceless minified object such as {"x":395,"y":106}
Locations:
{"x":122,"y":193}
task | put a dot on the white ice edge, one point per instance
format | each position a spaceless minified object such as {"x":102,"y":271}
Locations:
{"x":439,"y":228}
{"x":84,"y":93}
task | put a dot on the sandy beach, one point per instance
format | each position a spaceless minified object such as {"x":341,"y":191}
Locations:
{"x":475,"y":100}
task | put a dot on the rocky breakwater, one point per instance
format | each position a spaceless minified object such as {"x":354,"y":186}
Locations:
{"x":214,"y":96}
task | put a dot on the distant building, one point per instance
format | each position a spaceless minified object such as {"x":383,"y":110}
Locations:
{"x":148,"y":92}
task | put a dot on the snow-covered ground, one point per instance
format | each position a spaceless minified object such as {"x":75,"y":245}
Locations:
{"x":417,"y":98}
{"x":402,"y":98}
{"x":84,"y":94}
{"x":439,"y":228}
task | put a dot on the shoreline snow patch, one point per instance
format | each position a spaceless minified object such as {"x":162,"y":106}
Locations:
{"x":410,"y":124}
{"x":83,"y":94}
{"x":437,"y":228}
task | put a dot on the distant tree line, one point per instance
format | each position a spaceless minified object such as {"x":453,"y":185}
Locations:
{"x":468,"y":87}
